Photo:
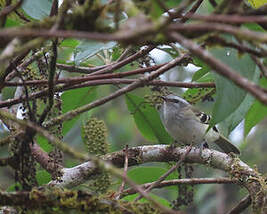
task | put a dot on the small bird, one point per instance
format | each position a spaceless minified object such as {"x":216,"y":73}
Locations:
{"x":189,"y":126}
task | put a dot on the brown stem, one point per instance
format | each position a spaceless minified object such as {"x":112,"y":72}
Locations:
{"x":124,"y":172}
{"x":174,"y":182}
{"x":43,"y":93}
{"x":241,"y":206}
{"x":165,"y":175}
{"x":140,"y":82}
{"x":233,"y":19}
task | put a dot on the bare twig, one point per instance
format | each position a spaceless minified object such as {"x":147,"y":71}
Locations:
{"x":191,"y":11}
{"x":35,"y":95}
{"x":114,"y":81}
{"x":7,"y":10}
{"x":80,"y":69}
{"x":165,"y":175}
{"x":43,"y":159}
{"x":174,"y":182}
{"x":52,"y":72}
{"x":71,"y":114}
{"x":126,"y":61}
{"x":233,"y":19}
{"x":28,"y":32}
{"x":262,"y":68}
{"x":239,"y":47}
{"x":117,"y":172}
{"x":124,"y":54}
{"x":241,"y":206}
{"x":198,"y":28}
{"x":124,"y":173}
{"x":75,"y":80}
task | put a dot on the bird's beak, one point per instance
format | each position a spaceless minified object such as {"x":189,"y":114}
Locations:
{"x":164,"y":98}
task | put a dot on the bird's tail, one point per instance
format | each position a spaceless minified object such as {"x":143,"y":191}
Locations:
{"x":227,"y":146}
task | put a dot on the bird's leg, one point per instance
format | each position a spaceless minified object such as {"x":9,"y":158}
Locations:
{"x":203,"y":145}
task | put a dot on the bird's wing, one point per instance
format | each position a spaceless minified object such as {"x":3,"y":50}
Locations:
{"x":200,"y":116}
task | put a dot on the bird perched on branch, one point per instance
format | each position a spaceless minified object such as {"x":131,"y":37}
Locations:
{"x":189,"y":126}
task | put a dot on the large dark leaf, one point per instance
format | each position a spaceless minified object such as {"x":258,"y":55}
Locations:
{"x":204,"y":69}
{"x":73,"y":99}
{"x":238,"y":115}
{"x":230,"y":96}
{"x":88,"y":48}
{"x":37,"y":9}
{"x":257,"y":112}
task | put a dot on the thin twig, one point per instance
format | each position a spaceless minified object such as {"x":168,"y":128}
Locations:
{"x":242,"y":48}
{"x":165,"y":175}
{"x":75,"y":80}
{"x":7,"y":10}
{"x":124,"y":54}
{"x":140,"y":82}
{"x":199,"y":28}
{"x":114,"y":81}
{"x":124,"y":173}
{"x":113,"y":170}
{"x":262,"y":68}
{"x":52,"y":72}
{"x":241,"y":206}
{"x":233,"y":19}
{"x":174,"y":182}
{"x":191,"y":11}
{"x":126,"y":61}
{"x":43,"y":158}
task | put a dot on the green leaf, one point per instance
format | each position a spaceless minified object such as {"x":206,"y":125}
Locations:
{"x":169,"y":51}
{"x":88,"y":48}
{"x":37,"y":9}
{"x":256,"y":113}
{"x":14,"y":187}
{"x":160,"y":200}
{"x":253,"y":26}
{"x":64,"y":55}
{"x":201,"y":72}
{"x":70,"y":43}
{"x":156,"y":10}
{"x":73,"y":99}
{"x":43,"y":177}
{"x":44,"y":144}
{"x":257,"y":3}
{"x":172,"y":3}
{"x":229,"y":96}
{"x":11,"y":23}
{"x":147,"y":119}
{"x":147,"y":174}
{"x":238,"y":115}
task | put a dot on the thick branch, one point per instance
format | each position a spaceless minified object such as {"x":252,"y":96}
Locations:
{"x":237,"y":169}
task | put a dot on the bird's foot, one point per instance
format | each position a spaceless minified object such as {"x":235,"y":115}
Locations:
{"x":202,"y":146}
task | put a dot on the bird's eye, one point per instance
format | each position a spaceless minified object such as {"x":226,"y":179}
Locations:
{"x":174,"y":100}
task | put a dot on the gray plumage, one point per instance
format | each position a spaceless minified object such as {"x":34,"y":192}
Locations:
{"x":188,"y":126}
